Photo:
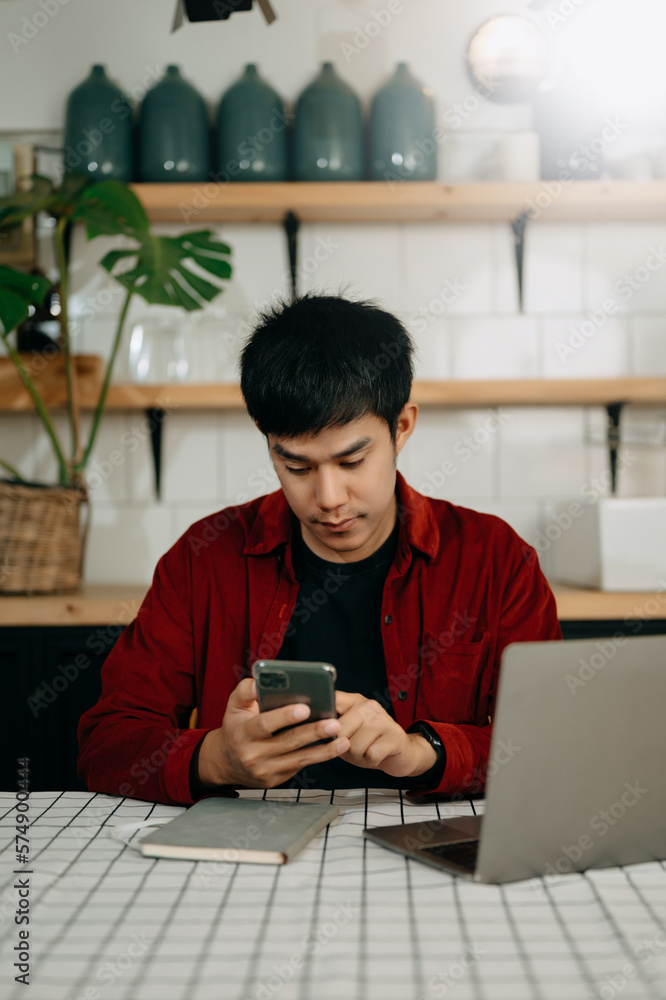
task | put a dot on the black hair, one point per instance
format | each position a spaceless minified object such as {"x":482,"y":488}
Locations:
{"x":322,"y":361}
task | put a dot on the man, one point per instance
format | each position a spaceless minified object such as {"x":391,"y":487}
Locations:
{"x":412,"y":599}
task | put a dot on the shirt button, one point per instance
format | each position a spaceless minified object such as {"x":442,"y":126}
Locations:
{"x":387,"y":619}
{"x":402,"y":695}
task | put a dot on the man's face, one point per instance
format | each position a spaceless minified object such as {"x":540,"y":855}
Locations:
{"x":340,"y":484}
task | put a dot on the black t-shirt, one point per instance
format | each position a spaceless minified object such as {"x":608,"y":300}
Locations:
{"x":337,"y":618}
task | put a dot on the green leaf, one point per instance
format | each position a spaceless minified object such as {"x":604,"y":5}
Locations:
{"x":18,"y":292}
{"x":159,"y":271}
{"x":14,"y":208}
{"x":110,"y":208}
{"x":69,"y":194}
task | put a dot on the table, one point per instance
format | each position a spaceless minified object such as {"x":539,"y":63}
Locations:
{"x":346,"y":918}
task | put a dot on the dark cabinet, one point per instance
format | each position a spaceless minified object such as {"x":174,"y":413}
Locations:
{"x":51,"y":676}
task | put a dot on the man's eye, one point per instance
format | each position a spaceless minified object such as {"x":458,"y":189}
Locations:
{"x":343,"y":465}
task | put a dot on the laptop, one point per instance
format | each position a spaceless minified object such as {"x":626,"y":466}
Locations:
{"x":576,"y":776}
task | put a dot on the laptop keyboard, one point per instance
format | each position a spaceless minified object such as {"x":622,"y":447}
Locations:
{"x":463,"y":853}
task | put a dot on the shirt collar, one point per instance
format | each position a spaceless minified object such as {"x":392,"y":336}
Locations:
{"x":274,"y":522}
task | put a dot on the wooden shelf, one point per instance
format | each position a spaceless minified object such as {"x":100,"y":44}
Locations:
{"x":110,"y":605}
{"x":449,"y":394}
{"x":410,"y":201}
{"x":92,"y":605}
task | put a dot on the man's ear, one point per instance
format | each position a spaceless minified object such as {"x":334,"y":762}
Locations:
{"x":406,"y":424}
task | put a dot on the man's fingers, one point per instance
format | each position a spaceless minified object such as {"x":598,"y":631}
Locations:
{"x":244,"y":693}
{"x":291,"y":763}
{"x":268,"y":723}
{"x":344,"y":700}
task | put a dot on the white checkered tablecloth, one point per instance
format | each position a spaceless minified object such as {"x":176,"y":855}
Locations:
{"x":346,"y":918}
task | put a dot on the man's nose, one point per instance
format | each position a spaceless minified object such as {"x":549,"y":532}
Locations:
{"x":330,"y":489}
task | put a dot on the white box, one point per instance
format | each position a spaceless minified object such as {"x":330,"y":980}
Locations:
{"x":614,"y":544}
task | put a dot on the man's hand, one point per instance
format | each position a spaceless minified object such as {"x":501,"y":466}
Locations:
{"x":245,"y":750}
{"x":376,"y":740}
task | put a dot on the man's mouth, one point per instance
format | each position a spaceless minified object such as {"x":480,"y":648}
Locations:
{"x":339,"y":525}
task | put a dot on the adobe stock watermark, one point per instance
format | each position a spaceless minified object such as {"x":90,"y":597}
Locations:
{"x":580,"y":158}
{"x":450,"y":292}
{"x":98,"y":643}
{"x":445,"y":980}
{"x":145,"y":767}
{"x":33,"y":24}
{"x":101,"y":469}
{"x":616,"y":982}
{"x":463,"y":449}
{"x":312,"y":943}
{"x":364,"y":34}
{"x":109,"y":972}
{"x":120,"y":109}
{"x":428,"y":652}
{"x":560,"y":522}
{"x":562,"y":12}
{"x":249,"y":151}
{"x":599,"y":824}
{"x":606,"y":649}
{"x":626,"y":287}
{"x":453,"y":118}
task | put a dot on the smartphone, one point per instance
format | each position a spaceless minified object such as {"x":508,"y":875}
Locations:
{"x":288,"y":682}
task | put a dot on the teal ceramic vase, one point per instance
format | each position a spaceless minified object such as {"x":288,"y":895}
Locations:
{"x":98,"y":129}
{"x":174,"y":139}
{"x":328,"y":133}
{"x":402,"y":129}
{"x":252,"y":131}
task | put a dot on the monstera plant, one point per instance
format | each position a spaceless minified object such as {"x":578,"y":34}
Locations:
{"x":184,"y":271}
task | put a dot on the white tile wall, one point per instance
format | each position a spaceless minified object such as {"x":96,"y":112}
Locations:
{"x":495,"y":347}
{"x":626,"y":264}
{"x":432,"y":335}
{"x":190,"y":457}
{"x":590,"y":345}
{"x":452,"y":454}
{"x":540,"y":452}
{"x":553,"y":268}
{"x":449,"y":269}
{"x":246,"y":470}
{"x":125,"y":543}
{"x":469,"y":328}
{"x":649,"y":344}
{"x":260,"y":266}
{"x":360,"y":261}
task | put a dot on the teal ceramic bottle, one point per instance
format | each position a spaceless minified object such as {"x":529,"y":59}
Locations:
{"x":328,"y":133}
{"x":252,"y":131}
{"x":402,"y":127}
{"x":98,"y":129}
{"x":174,"y":140}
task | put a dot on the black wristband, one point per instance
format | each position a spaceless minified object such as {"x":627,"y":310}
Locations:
{"x":433,"y":776}
{"x":197,"y":789}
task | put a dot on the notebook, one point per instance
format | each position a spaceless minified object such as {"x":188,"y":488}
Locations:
{"x":252,"y":830}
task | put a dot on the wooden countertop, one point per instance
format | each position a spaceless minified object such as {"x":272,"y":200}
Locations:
{"x":113,"y":605}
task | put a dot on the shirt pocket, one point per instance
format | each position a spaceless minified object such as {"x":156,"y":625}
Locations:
{"x":450,"y":681}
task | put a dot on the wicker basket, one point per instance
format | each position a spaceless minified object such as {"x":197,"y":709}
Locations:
{"x":42,"y":538}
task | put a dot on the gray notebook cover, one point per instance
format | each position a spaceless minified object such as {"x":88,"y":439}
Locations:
{"x":254,"y":830}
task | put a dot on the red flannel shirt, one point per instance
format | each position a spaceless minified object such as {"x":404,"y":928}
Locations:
{"x":461,"y":587}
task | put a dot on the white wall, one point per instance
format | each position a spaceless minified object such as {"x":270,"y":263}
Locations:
{"x":533,"y":460}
